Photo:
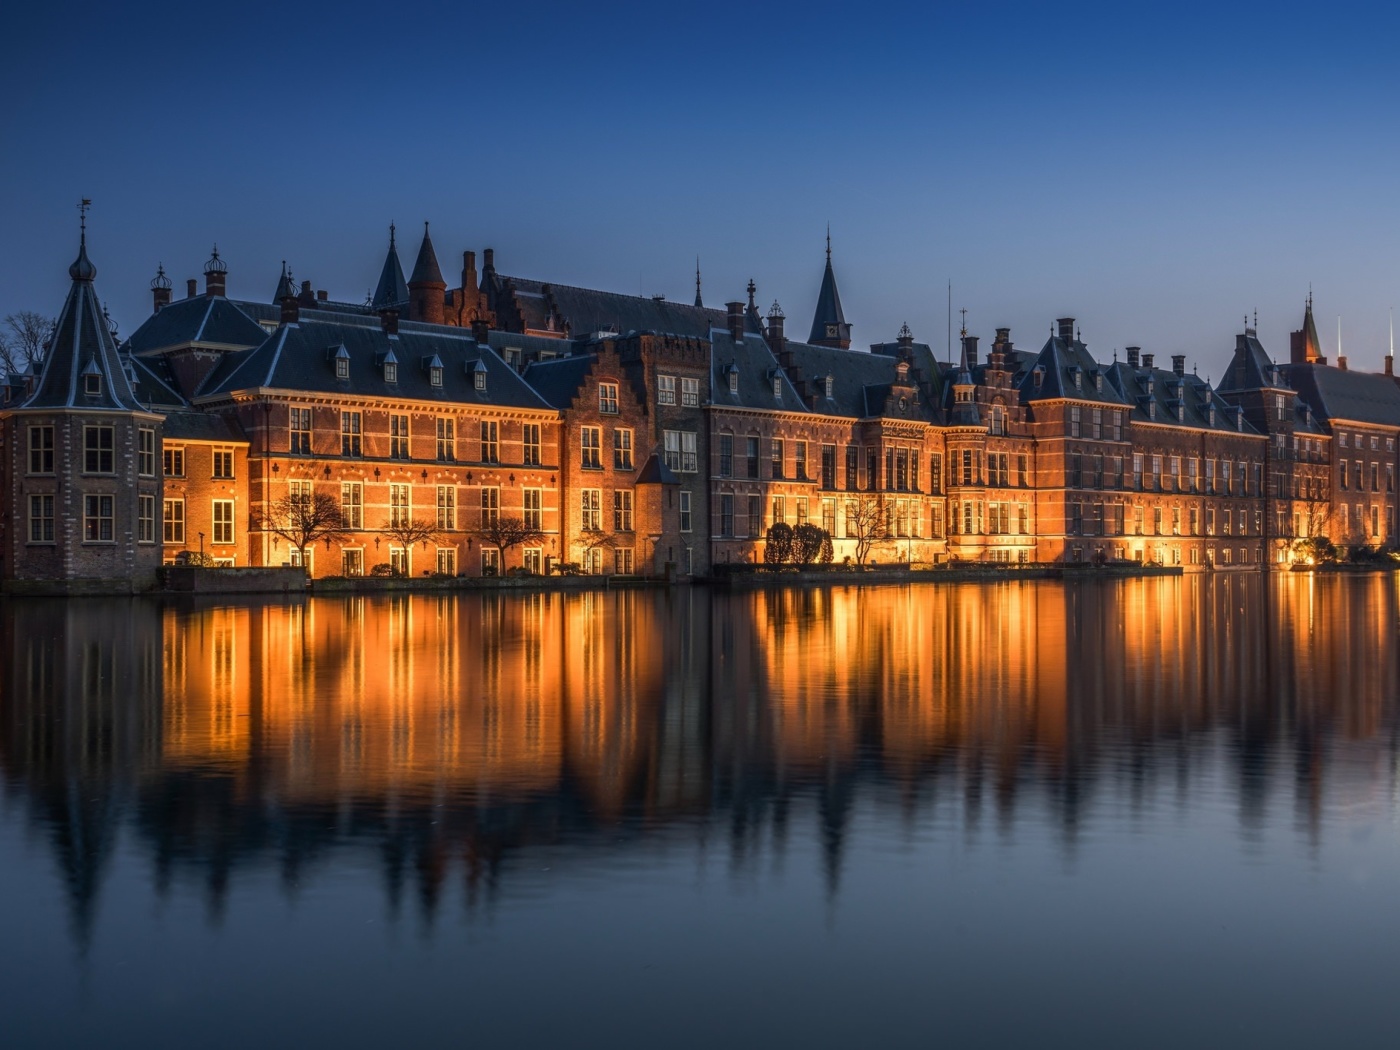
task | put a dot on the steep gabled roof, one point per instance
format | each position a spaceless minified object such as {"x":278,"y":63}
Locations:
{"x":391,"y":290}
{"x":756,"y":368}
{"x":1251,"y":367}
{"x":1335,"y":393}
{"x":588,"y":311}
{"x":425,"y":268}
{"x":559,"y":381}
{"x":82,"y":344}
{"x":1180,"y":400}
{"x":829,"y":310}
{"x":1057,"y":364}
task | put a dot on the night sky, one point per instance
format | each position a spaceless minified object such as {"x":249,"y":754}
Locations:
{"x":1156,"y":174}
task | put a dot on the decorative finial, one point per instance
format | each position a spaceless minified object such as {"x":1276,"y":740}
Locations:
{"x":963,"y":311}
{"x":160,"y":280}
{"x":775,"y":312}
{"x":215,"y":264}
{"x":752,"y":289}
{"x":392,"y":228}
{"x":905,"y":332}
{"x":828,"y":242}
{"x":83,"y":207}
{"x":1256,"y":318}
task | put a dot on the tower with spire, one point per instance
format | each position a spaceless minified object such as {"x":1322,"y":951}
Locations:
{"x":1305,"y":348}
{"x":829,"y":327}
{"x":427,"y":291}
{"x":391,"y":293}
{"x":86,"y":517}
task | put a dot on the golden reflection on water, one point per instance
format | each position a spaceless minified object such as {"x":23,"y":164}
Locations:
{"x":570,"y":712}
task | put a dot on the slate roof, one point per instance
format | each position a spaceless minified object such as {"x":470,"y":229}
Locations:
{"x":1251,"y":367}
{"x":209,"y":321}
{"x":391,"y":289}
{"x":558,"y":381}
{"x":154,"y":385}
{"x":829,"y":306}
{"x":655,"y":472}
{"x":202,"y":426}
{"x":83,"y":344}
{"x":1334,"y":393}
{"x":1190,"y":394}
{"x":756,"y":368}
{"x":588,"y":311}
{"x":425,"y":268}
{"x":1061,"y":359}
{"x":301,"y":357}
{"x":861,"y":381}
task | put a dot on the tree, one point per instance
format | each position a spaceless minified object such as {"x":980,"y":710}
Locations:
{"x":807,"y":540}
{"x":24,"y":341}
{"x":778,"y":548}
{"x":594,"y":539}
{"x":407,"y":532}
{"x":302,"y":519}
{"x":868,"y":524}
{"x":506,"y":531}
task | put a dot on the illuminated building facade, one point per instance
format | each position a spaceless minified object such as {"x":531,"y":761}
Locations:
{"x":638,"y":435}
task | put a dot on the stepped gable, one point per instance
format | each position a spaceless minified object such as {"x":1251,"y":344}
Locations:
{"x":301,"y":357}
{"x":82,"y":345}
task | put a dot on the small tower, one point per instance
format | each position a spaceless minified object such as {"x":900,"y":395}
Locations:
{"x":1304,"y":346}
{"x":215,"y":275}
{"x":391,"y":290}
{"x":427,"y":291}
{"x":160,"y":289}
{"x":86,"y":518}
{"x":829,"y":327}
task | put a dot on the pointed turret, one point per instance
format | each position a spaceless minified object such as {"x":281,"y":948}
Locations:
{"x":698,"y":301}
{"x":391,"y":290}
{"x":286,"y":287}
{"x":829,"y":327}
{"x":83,"y":368}
{"x":426,"y":288}
{"x":1304,"y":346}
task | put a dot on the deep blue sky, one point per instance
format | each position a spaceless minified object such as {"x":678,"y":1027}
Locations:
{"x":1154,"y":173}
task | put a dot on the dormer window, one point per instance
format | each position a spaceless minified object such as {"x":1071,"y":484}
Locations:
{"x":777,"y":388}
{"x":1098,"y":381}
{"x":479,"y":375}
{"x":1211,"y":415}
{"x":1181,"y":412}
{"x":1151,"y":410}
{"x":1078,"y":379}
{"x":829,"y":382}
{"x":435,"y":375}
{"x":92,"y":384}
{"x":733,"y":380}
{"x":342,"y":362}
{"x":391,"y":371}
{"x":1039,"y":377}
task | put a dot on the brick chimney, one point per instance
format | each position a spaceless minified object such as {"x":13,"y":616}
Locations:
{"x":389,"y":321}
{"x":469,"y":272}
{"x":191,"y":288}
{"x":1341,"y":363}
{"x":1390,"y":364}
{"x":970,"y":349}
{"x":735,"y":320}
{"x":160,"y":289}
{"x":1146,"y":360}
{"x":1133,"y":352}
{"x":307,"y":296}
{"x":1179,"y":364}
{"x":1066,"y":327}
{"x":480,"y":328}
{"x":777,"y":342}
{"x":321,"y":295}
{"x":291,"y":309}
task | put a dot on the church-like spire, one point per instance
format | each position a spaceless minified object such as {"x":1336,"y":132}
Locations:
{"x":83,"y":367}
{"x":391,"y":290}
{"x":698,"y":300}
{"x":427,"y":291}
{"x":1305,"y":348}
{"x":829,"y":327}
{"x":426,"y":269}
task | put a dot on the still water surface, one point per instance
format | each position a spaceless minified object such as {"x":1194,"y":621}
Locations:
{"x":1147,"y":813}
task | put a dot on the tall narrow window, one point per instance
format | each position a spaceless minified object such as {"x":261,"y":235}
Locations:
{"x":146,"y":452}
{"x":350,"y":432}
{"x":607,"y":399}
{"x":685,"y":510}
{"x":591,"y":448}
{"x":299,"y":429}
{"x":223,"y":521}
{"x":99,"y":456}
{"x":400,"y":510}
{"x":490,"y":441}
{"x":690,"y":391}
{"x":41,"y":519}
{"x":622,"y":510}
{"x":446,"y":439}
{"x":41,"y":450}
{"x":223,"y":463}
{"x":352,"y":504}
{"x":146,"y":518}
{"x":690,"y":459}
{"x":777,"y":457}
{"x":622,"y":449}
{"x":726,"y":455}
{"x":671,"y":440}
{"x":751,"y":457}
{"x":665,"y":390}
{"x":531,"y":440}
{"x":98,"y":519}
{"x":398,"y":436}
{"x":490,"y":506}
{"x":174,"y":521}
{"x":446,"y":507}
{"x":592,"y":508}
{"x":534,"y":509}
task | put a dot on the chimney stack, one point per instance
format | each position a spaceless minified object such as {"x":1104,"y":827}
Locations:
{"x":777,"y":342}
{"x":1066,"y":327}
{"x":735,"y":320}
{"x":160,"y":289}
{"x":307,"y":296}
{"x":321,"y":295}
{"x":1390,"y":364}
{"x":1133,"y":352}
{"x":191,"y":288}
{"x":1179,"y":364}
{"x":970,"y":350}
{"x":215,"y":275}
{"x":1341,"y":363}
{"x":480,"y":329}
{"x":389,"y":321}
{"x":1146,"y":360}
{"x":291,"y":309}
{"x":469,"y":282}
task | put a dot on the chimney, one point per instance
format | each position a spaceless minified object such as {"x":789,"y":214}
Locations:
{"x":321,"y":295}
{"x":215,"y":275}
{"x":488,"y":260}
{"x":777,"y":342}
{"x":1341,"y":363}
{"x":480,"y":328}
{"x":468,"y":271}
{"x":1146,"y":360}
{"x":1390,"y":364}
{"x":160,"y":289}
{"x":1179,"y":364}
{"x":389,"y":321}
{"x":970,"y":350}
{"x":1066,"y":327}
{"x":191,"y":288}
{"x":307,"y":296}
{"x":735,"y":320}
{"x":291,"y":309}
{"x":1133,"y":352}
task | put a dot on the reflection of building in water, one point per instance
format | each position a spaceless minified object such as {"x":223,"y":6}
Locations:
{"x":449,"y":733}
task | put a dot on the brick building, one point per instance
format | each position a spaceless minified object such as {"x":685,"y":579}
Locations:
{"x":639,"y":435}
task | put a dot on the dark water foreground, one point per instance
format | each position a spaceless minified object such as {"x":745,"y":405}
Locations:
{"x":1145,"y":813}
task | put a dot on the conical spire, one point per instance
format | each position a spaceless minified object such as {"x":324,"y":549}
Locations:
{"x":83,"y":346}
{"x":82,"y":268}
{"x":425,"y":269}
{"x":286,"y":288}
{"x":1304,"y":345}
{"x":698,"y":300}
{"x":391,"y":290}
{"x":829,"y":327}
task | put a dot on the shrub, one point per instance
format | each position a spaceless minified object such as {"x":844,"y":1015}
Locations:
{"x":382,"y":569}
{"x":806,"y":543}
{"x":778,"y":549}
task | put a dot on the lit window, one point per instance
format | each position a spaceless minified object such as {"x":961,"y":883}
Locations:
{"x":223,"y":521}
{"x":592,"y":507}
{"x":490,"y":506}
{"x":400,"y":505}
{"x":622,"y":449}
{"x":223,"y":463}
{"x":174,"y":521}
{"x":446,"y":507}
{"x":622,"y":511}
{"x":592,"y":448}
{"x":534,"y":509}
{"x":352,"y":504}
{"x":607,"y":398}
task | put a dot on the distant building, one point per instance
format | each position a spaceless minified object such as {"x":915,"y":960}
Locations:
{"x":637,"y":435}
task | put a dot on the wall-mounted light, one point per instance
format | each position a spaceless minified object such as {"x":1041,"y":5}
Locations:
{"x":469,"y":477}
{"x":376,"y":472}
{"x":274,"y":468}
{"x":425,"y":475}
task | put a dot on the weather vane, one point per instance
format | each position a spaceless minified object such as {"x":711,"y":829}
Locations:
{"x":83,"y":207}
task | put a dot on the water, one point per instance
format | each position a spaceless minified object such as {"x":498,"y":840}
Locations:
{"x":1147,"y":813}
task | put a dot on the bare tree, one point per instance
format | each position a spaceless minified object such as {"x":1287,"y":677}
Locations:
{"x":24,"y":341}
{"x":505,"y":531}
{"x":410,"y":531}
{"x":302,"y":519}
{"x":596,"y":539}
{"x":867,"y":522}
